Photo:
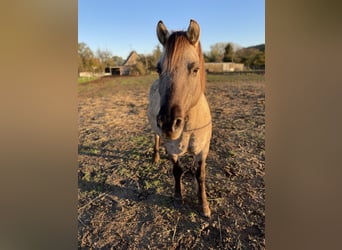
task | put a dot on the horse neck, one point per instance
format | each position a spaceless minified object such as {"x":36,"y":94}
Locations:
{"x":199,"y":114}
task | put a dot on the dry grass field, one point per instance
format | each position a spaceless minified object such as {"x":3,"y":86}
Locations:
{"x":126,"y":201}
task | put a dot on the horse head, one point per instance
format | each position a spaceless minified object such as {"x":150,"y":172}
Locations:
{"x":181,"y":77}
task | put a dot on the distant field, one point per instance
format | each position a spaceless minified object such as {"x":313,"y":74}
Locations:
{"x":126,"y":201}
{"x":111,"y":83}
{"x":235,"y":78}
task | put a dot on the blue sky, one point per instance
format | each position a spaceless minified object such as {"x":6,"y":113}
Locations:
{"x":123,"y":26}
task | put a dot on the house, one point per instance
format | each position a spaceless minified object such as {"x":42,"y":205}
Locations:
{"x":125,"y":68}
{"x":223,"y":67}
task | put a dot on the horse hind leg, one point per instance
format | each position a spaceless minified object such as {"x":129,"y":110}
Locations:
{"x":156,"y":155}
{"x":202,"y":195}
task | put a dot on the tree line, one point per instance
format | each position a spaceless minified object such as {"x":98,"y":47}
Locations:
{"x":96,"y":62}
{"x":252,"y":58}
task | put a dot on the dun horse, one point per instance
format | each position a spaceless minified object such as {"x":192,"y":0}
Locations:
{"x":178,"y":109}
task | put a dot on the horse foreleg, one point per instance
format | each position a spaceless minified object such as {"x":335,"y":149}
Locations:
{"x":202,"y":195}
{"x":177,"y":173}
{"x":156,"y":156}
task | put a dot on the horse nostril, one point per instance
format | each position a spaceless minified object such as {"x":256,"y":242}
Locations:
{"x":177,"y":123}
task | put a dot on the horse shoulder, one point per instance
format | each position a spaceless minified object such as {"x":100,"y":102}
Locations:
{"x":178,"y":147}
{"x":201,"y":127}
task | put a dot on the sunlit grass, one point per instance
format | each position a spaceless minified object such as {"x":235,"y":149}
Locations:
{"x":249,"y":77}
{"x":84,"y":79}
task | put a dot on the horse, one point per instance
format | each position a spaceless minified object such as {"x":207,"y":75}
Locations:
{"x":178,"y":111}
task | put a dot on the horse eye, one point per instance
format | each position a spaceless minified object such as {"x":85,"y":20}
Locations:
{"x":193,"y":68}
{"x":195,"y":71}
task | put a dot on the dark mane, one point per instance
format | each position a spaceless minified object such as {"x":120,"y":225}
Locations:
{"x":174,"y":48}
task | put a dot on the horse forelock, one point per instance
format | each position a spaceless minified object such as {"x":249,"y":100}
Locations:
{"x":174,"y":49}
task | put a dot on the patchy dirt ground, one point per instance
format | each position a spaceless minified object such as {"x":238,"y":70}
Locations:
{"x":125,"y":201}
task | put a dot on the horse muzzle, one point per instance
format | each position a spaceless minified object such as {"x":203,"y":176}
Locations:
{"x":171,"y":128}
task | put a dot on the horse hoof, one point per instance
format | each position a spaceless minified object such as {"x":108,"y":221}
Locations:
{"x":206,"y":212}
{"x":178,"y":202}
{"x":156,"y":158}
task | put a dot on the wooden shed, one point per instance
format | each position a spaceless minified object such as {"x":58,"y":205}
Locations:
{"x":125,"y":68}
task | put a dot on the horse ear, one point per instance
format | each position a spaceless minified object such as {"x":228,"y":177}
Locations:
{"x":193,"y":32}
{"x":162,"y":33}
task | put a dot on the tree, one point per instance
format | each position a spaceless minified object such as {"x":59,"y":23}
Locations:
{"x":86,"y":59}
{"x":221,"y":52}
{"x":247,"y":56}
{"x":148,"y":63}
{"x":138,"y":69}
{"x":216,"y":52}
{"x":228,"y":53}
{"x":157,"y":53}
{"x":105,"y":58}
{"x":259,"y":61}
{"x":117,"y":60}
{"x":153,"y":59}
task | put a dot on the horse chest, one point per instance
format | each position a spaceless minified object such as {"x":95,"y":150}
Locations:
{"x":186,"y":143}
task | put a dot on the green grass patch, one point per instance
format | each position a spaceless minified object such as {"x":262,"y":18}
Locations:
{"x":88,"y":150}
{"x":142,"y":141}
